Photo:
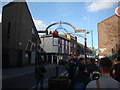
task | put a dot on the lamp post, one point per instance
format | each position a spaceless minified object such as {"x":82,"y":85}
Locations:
{"x":85,"y":49}
{"x":55,"y":34}
{"x":92,"y":40}
{"x":85,"y":42}
{"x":116,"y":50}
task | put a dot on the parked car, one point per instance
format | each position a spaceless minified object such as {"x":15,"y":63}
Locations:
{"x":63,"y":62}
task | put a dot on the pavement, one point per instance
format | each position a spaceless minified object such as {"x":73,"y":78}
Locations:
{"x":63,"y":74}
{"x":15,"y":72}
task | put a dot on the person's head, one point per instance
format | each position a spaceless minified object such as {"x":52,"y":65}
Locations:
{"x":92,"y":60}
{"x":74,"y":59}
{"x":105,"y":65}
{"x":81,"y":60}
{"x":84,"y":68}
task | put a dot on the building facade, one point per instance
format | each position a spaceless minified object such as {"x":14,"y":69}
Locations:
{"x":59,"y":47}
{"x":63,"y":46}
{"x":109,"y":36}
{"x":19,"y":35}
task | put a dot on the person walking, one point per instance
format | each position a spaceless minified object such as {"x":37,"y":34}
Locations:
{"x":82,"y":79}
{"x":39,"y":74}
{"x":92,"y":68}
{"x":105,"y":81}
{"x":81,"y":64}
{"x":71,"y":72}
{"x":116,"y":70}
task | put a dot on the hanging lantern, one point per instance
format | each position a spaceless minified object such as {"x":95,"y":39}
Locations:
{"x":55,"y":33}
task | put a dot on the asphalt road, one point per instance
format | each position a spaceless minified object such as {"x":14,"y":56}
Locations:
{"x":28,"y":80}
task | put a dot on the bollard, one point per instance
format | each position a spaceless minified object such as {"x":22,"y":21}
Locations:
{"x":56,"y":70}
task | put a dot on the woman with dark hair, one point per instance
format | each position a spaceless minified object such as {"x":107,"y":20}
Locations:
{"x":82,"y":78}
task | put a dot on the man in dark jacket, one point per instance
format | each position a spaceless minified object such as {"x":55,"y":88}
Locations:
{"x":39,"y":74}
{"x":92,"y":66}
{"x":116,"y":70}
{"x":82,"y":78}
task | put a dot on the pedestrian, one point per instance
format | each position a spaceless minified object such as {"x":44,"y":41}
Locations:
{"x":71,"y":72}
{"x":81,"y":64}
{"x":39,"y":74}
{"x":92,"y":67}
{"x":75,"y":63}
{"x":71,"y":69}
{"x":105,"y":81}
{"x":96,"y":63}
{"x":116,"y":70}
{"x":82,"y":79}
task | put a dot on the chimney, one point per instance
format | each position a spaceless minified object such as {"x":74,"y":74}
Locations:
{"x":75,"y":38}
{"x":68,"y":35}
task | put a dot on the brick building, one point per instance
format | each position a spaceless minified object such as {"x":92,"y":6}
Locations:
{"x":109,"y":36}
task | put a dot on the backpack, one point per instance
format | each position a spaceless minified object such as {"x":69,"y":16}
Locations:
{"x":39,"y":71}
{"x":95,"y":75}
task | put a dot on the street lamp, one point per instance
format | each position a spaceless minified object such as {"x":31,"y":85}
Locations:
{"x":85,"y":41}
{"x":85,"y":45}
{"x":85,"y":49}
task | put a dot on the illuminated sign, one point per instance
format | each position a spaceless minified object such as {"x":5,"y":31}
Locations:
{"x":117,"y":11}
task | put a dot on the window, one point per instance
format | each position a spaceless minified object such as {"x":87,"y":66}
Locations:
{"x":62,"y":42}
{"x":71,"y":44}
{"x":66,"y":43}
{"x":55,"y":41}
{"x":62,"y":48}
{"x":33,"y":31}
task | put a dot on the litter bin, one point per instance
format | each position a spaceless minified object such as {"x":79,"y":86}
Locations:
{"x":58,"y":83}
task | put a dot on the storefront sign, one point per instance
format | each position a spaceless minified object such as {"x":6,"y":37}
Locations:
{"x":117,"y":11}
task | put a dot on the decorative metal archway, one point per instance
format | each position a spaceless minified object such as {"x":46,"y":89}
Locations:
{"x":60,"y":23}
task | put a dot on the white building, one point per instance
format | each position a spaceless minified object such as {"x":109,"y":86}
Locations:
{"x":59,"y":47}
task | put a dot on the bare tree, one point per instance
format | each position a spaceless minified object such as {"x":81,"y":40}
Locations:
{"x":111,"y":32}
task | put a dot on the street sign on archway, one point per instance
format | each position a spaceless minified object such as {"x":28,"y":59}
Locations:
{"x":81,"y":30}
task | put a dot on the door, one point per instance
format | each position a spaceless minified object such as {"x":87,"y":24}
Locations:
{"x":19,"y":58}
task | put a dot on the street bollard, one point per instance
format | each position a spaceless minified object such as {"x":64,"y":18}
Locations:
{"x":56,"y":70}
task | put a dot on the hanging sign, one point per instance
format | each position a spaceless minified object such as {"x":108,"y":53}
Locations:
{"x":117,"y":11}
{"x":82,"y":30}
